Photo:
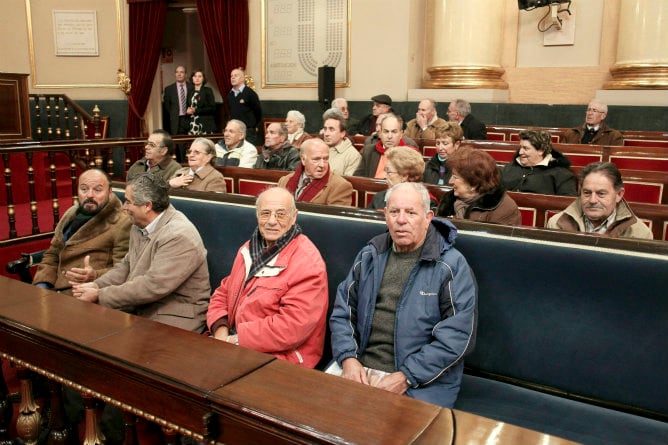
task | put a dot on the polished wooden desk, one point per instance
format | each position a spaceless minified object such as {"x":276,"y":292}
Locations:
{"x":215,"y":391}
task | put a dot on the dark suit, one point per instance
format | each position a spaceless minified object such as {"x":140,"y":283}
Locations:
{"x":473,"y":128}
{"x":170,"y":101}
{"x":172,"y":121}
{"x":246,"y":108}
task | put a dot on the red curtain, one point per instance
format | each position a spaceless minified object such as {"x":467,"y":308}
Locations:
{"x":225,"y":33}
{"x":147,"y":24}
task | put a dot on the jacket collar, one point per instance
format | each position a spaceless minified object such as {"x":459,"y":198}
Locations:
{"x":441,"y":236}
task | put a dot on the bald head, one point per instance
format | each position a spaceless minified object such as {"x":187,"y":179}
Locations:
{"x":315,"y":158}
{"x":276,"y":213}
{"x":94,"y":191}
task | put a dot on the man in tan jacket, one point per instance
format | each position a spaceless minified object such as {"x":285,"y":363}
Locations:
{"x":600,"y":208}
{"x":164,"y":276}
{"x":90,"y":239}
{"x":314,"y":181}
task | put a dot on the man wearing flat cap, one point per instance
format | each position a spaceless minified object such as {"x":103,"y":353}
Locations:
{"x":382,"y":103}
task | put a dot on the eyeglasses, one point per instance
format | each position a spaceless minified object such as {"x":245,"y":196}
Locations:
{"x":280,"y":215}
{"x":153,"y":144}
{"x":594,"y":110}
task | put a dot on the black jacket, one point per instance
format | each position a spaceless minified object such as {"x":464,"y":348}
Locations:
{"x":284,"y":158}
{"x":552,"y":179}
{"x":473,"y":128}
{"x":432,"y":171}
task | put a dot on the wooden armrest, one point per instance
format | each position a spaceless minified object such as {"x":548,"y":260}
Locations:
{"x":22,"y":266}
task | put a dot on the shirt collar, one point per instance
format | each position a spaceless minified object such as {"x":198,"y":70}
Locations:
{"x":151,"y":227}
{"x":601,"y":228}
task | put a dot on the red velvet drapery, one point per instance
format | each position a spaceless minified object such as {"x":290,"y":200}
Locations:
{"x":225,"y":33}
{"x":147,"y":24}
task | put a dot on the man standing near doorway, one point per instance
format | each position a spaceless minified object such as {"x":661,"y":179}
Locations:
{"x":175,"y":103}
{"x":244,"y":105}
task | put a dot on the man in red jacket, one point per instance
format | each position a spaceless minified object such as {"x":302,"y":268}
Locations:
{"x":275,"y":298}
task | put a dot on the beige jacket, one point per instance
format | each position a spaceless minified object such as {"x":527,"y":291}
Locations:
{"x":207,"y":179}
{"x":164,"y":276}
{"x":344,"y":158}
{"x":626,"y":224}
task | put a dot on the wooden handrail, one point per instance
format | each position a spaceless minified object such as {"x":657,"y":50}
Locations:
{"x":62,"y":118}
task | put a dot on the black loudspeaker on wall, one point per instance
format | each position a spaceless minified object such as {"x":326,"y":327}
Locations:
{"x":326,"y":85}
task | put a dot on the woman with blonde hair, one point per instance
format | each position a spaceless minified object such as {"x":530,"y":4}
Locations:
{"x":403,"y":164}
{"x":448,"y":138}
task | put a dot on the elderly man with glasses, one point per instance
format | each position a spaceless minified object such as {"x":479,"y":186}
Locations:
{"x":275,"y":298}
{"x":594,"y":131}
{"x":157,"y":157}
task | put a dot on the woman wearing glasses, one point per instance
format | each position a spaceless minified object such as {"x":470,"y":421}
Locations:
{"x":403,"y":164}
{"x":200,"y":174}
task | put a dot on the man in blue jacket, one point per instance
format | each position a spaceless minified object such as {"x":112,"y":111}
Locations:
{"x":406,"y":315}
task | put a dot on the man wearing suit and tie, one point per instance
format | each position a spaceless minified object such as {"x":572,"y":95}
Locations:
{"x":175,"y":104}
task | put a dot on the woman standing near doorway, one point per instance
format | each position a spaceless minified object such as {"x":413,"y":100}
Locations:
{"x":202,"y":106}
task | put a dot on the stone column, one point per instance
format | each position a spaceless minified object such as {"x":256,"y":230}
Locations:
{"x":642,"y":46}
{"x":465,"y":40}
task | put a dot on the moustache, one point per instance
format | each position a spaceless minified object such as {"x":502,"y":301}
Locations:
{"x":89,"y":201}
{"x":593,"y":206}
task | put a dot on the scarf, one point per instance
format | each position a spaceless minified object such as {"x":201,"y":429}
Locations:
{"x":381,"y":149}
{"x":77,"y":222}
{"x":261,"y":255}
{"x":310,"y":190}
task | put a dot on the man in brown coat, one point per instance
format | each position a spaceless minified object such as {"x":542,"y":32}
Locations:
{"x":314,"y":181}
{"x":164,"y":276}
{"x":594,"y":130}
{"x":90,"y":238}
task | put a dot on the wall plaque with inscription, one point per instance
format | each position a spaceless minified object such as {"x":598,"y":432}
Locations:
{"x":75,"y":33}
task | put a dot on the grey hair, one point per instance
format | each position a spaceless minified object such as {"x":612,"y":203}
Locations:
{"x":337,"y":101}
{"x":600,"y":105}
{"x":418,"y":187}
{"x":210,"y":148}
{"x":462,"y":106}
{"x":432,"y":102}
{"x":335,"y":114}
{"x":240,"y":124}
{"x":298,"y":117}
{"x":152,"y":188}
{"x":282,"y":129}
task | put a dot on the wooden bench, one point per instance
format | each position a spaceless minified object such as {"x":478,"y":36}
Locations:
{"x":545,"y":365}
{"x":632,"y":138}
{"x":635,"y":158}
{"x":535,"y":208}
{"x":556,"y":351}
